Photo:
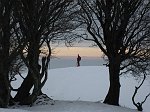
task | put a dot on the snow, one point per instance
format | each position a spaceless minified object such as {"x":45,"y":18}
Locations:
{"x":77,"y":83}
{"x":72,"y":106}
{"x":79,"y":106}
{"x":82,"y":89}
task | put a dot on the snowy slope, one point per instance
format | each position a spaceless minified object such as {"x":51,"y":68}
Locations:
{"x":71,"y":87}
{"x":69,"y":106}
{"x":91,"y":83}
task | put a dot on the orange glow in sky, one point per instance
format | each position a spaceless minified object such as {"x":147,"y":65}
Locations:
{"x":74,"y":51}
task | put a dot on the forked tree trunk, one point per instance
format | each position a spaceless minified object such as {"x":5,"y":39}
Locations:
{"x":112,"y":97}
{"x":23,"y":96}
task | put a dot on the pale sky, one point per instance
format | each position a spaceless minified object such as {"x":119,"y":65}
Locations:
{"x":74,"y":51}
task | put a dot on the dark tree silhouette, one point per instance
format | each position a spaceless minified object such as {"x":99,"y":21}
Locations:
{"x":120,"y":28}
{"x":25,"y":27}
{"x":9,"y":48}
{"x":40,"y":21}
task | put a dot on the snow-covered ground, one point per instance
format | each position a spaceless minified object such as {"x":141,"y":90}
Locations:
{"x":82,"y":89}
{"x":91,"y":83}
{"x":69,"y":106}
{"x":70,"y":61}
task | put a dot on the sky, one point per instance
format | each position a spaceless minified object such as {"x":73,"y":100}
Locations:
{"x":74,"y":51}
{"x":84,"y":48}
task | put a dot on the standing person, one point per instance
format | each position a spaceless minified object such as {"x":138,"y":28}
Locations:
{"x":78,"y":60}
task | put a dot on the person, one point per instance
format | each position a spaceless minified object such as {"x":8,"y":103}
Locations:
{"x":78,"y":60}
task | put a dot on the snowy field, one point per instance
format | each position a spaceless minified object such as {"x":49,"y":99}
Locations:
{"x":70,"y":61}
{"x":90,"y":83}
{"x":82,"y":89}
{"x":68,"y":106}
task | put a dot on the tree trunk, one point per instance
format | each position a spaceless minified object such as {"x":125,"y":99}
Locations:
{"x":32,"y":80}
{"x":24,"y":89}
{"x":4,"y":71}
{"x":4,"y":83}
{"x":112,"y":97}
{"x":3,"y":92}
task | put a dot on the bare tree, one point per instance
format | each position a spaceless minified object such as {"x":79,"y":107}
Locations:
{"x":40,"y":21}
{"x":9,"y":48}
{"x":4,"y":51}
{"x":120,"y":28}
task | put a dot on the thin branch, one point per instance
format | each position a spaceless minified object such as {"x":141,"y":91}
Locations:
{"x":139,"y":105}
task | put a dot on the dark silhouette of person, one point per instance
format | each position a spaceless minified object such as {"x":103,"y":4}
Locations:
{"x":78,"y":60}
